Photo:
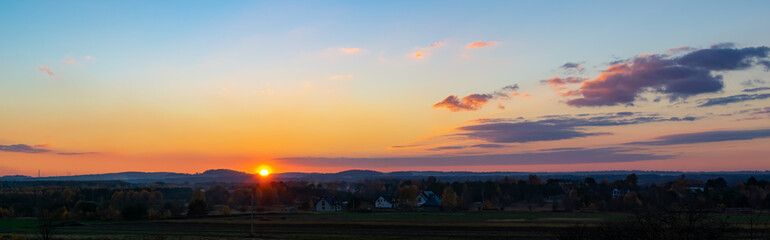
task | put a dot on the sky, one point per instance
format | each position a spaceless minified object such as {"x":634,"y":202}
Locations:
{"x":325,"y":86}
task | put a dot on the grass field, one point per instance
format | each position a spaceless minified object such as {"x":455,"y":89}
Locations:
{"x":343,"y":225}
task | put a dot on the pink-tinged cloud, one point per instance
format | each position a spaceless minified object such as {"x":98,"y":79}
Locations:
{"x":349,"y":50}
{"x":425,"y":51}
{"x":475,"y":101}
{"x":88,"y":58}
{"x":680,"y":49}
{"x":481,"y":44}
{"x":471,"y":102}
{"x":557,"y":83}
{"x":45,"y":69}
{"x":677,"y":78}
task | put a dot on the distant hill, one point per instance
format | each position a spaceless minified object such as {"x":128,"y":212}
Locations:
{"x":230,"y":176}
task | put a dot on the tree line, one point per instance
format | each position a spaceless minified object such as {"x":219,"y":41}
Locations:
{"x":157,"y":201}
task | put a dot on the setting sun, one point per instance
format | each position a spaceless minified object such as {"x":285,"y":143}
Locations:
{"x":264,"y":172}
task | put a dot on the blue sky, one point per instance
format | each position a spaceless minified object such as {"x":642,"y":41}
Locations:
{"x":242,"y":83}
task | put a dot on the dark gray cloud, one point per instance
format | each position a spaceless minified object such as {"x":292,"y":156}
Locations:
{"x":732,"y":99}
{"x":557,"y":127}
{"x":675,"y":77}
{"x":488,"y":145}
{"x":704,"y":137}
{"x":756,"y":89}
{"x":573,"y":67}
{"x":464,"y":147}
{"x":446,"y":148}
{"x":22,"y":148}
{"x":576,"y":156}
{"x":560,"y":149}
{"x":475,"y":101}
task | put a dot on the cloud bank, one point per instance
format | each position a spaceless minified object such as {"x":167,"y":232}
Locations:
{"x":676,"y":77}
{"x":555,"y":127}
{"x":569,"y":156}
{"x":704,"y":137}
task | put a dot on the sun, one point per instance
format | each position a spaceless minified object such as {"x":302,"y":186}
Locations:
{"x":264,"y":172}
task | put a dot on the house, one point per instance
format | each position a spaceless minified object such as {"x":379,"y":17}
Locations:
{"x":618,"y":192}
{"x":328,"y":204}
{"x":695,"y":189}
{"x":386,"y":201}
{"x":428,"y":199}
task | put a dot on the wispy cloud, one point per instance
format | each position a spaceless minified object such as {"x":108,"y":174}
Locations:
{"x":705,"y":137}
{"x":557,"y":83}
{"x":676,"y":77}
{"x":481,"y":44}
{"x":348,"y":50}
{"x":553,"y":128}
{"x":473,"y":102}
{"x":45,"y":69}
{"x":680,"y":49}
{"x":576,"y":156}
{"x":753,"y":82}
{"x":573,"y":67}
{"x":22,"y":148}
{"x":732,"y":99}
{"x":759,"y":89}
{"x":425,"y":51}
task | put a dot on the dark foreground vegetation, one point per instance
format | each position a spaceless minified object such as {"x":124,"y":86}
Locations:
{"x":504,"y":208}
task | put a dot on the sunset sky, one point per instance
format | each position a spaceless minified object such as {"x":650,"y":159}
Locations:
{"x":325,"y":86}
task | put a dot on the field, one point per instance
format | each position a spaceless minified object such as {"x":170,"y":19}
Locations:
{"x":326,"y":226}
{"x":343,"y":225}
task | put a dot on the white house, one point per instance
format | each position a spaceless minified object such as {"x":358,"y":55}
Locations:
{"x":386,"y":201}
{"x":619,"y":192}
{"x":328,"y":204}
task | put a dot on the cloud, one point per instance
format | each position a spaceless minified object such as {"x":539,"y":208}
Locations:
{"x":557,"y":83}
{"x":487,"y":146}
{"x":446,"y":148}
{"x":554,"y":128}
{"x":76,"y":153}
{"x":481,"y":44}
{"x":732,"y":99}
{"x":573,"y":67}
{"x":474,"y":101}
{"x":406,"y":146}
{"x":45,"y":69}
{"x":425,"y":51}
{"x":680,"y":49}
{"x":756,"y":89}
{"x":577,"y":156}
{"x":88,"y":58}
{"x":348,"y":50}
{"x":705,"y":137}
{"x":675,"y":77}
{"x":22,"y":148}
{"x":754,"y":82}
